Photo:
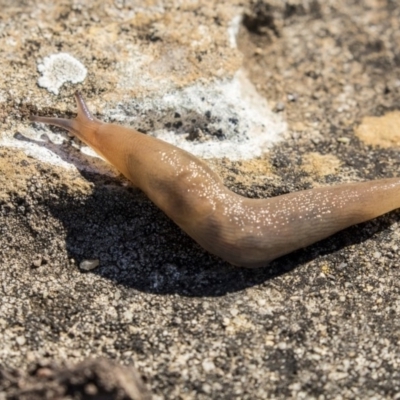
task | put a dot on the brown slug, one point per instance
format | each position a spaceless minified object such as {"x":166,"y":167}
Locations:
{"x":245,"y":232}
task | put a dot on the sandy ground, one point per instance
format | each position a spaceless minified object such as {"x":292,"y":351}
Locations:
{"x":320,"y":323}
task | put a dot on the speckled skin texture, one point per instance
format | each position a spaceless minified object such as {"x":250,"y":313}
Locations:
{"x":244,"y":232}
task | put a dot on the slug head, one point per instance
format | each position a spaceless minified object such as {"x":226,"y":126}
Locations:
{"x":84,"y":126}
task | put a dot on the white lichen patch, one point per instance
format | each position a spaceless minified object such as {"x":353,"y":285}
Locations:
{"x":58,"y":69}
{"x":224,"y":118}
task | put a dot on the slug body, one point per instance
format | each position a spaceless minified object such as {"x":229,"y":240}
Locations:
{"x":245,"y":232}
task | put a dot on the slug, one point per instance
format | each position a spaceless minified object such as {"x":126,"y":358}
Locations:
{"x":245,"y":232}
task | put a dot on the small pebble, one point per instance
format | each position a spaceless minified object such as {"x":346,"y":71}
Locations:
{"x":208,"y":365}
{"x":37,"y":261}
{"x":21,"y":340}
{"x":91,"y":389}
{"x":279,"y":106}
{"x":44,"y":372}
{"x":344,"y":140}
{"x":88,"y":265}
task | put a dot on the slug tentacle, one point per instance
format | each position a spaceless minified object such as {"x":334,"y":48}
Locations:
{"x":68,"y":124}
{"x":245,"y":232}
{"x":83,"y":110}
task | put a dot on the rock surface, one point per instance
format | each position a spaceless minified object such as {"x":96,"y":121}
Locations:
{"x":320,"y":323}
{"x":91,"y":379}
